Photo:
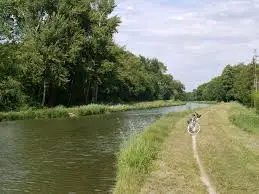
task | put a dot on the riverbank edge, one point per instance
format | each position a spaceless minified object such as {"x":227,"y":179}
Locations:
{"x":135,"y":158}
{"x":204,"y":102}
{"x":91,"y":109}
{"x":244,"y":118}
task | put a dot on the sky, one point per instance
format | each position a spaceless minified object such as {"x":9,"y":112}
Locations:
{"x":195,"y":39}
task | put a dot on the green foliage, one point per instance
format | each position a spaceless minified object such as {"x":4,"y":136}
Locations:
{"x":245,"y":118}
{"x":11,"y":95}
{"x":244,"y":83}
{"x":227,"y":83}
{"x":234,"y":84}
{"x":67,"y":56}
{"x":91,"y":109}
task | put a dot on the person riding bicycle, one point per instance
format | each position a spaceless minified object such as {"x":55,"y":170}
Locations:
{"x":194,"y":116}
{"x":192,"y":122}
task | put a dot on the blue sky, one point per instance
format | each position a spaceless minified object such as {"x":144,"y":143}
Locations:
{"x":196,"y":39}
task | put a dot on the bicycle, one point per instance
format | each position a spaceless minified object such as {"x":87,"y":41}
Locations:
{"x":193,"y":125}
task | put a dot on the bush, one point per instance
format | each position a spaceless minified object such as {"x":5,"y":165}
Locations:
{"x":11,"y":96}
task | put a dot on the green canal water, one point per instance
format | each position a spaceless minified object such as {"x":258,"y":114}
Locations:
{"x":68,"y":155}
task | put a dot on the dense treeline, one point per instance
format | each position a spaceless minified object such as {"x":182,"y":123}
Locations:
{"x":236,"y":83}
{"x":62,"y":52}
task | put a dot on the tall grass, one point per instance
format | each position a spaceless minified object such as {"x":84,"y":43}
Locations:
{"x":136,"y":155}
{"x":245,"y":118}
{"x":229,"y":156}
{"x":62,"y":112}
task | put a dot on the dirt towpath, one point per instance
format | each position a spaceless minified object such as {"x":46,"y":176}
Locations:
{"x":219,"y":158}
{"x":204,"y":177}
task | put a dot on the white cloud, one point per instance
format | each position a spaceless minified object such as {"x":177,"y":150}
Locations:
{"x":195,"y":41}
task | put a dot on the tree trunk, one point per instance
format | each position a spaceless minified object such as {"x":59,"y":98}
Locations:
{"x":69,"y":98}
{"x":71,"y":89}
{"x":87,"y":92}
{"x":93,"y":92}
{"x":44,"y":93}
{"x":53,"y":96}
{"x":96,"y":92}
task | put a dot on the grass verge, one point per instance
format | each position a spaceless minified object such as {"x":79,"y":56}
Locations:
{"x":138,"y":153}
{"x":62,"y":112}
{"x":230,"y":155}
{"x":245,"y":118}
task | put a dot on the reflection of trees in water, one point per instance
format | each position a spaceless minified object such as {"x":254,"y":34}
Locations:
{"x":11,"y":139}
{"x":135,"y":124}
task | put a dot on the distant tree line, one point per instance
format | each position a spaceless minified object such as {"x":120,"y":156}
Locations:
{"x":57,"y":52}
{"x":236,"y":83}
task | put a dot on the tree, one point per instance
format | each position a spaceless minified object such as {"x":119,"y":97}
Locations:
{"x":227,"y":82}
{"x":235,"y":83}
{"x":244,"y":83}
{"x":66,"y":55}
{"x":11,"y":95}
{"x":46,"y":54}
{"x":100,"y":41}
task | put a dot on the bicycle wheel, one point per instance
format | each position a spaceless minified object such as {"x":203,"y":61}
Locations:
{"x":194,"y":130}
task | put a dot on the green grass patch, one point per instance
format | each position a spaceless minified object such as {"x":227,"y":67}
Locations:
{"x":63,"y":112}
{"x":229,"y":155}
{"x":245,"y":118}
{"x":137,"y":154}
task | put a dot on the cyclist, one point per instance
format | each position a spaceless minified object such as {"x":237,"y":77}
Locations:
{"x":191,"y":122}
{"x":194,"y":116}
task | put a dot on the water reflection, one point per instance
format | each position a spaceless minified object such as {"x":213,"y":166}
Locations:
{"x":62,"y":155}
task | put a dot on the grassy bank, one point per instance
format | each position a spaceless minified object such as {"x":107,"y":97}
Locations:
{"x":138,"y":153}
{"x":62,"y":112}
{"x":229,"y":155}
{"x":245,"y":118}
